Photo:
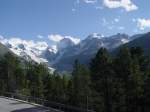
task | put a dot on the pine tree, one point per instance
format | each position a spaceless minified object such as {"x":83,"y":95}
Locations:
{"x":80,"y":85}
{"x":3,"y":76}
{"x":48,"y":87}
{"x":102,"y":77}
{"x":123,"y":70}
{"x":11,"y":64}
{"x":141,"y":77}
{"x":35,"y":74}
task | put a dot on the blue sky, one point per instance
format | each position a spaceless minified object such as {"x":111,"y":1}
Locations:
{"x":34,"y":19}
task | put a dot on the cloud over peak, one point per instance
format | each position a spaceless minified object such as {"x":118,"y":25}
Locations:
{"x":126,"y":4}
{"x":143,"y":23}
{"x":39,"y":45}
{"x":57,"y":38}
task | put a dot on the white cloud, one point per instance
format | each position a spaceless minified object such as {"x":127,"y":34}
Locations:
{"x":99,"y":7}
{"x":126,"y":4}
{"x":75,"y":40}
{"x":1,"y":37}
{"x":57,"y":38}
{"x":143,"y":23}
{"x":73,"y":9}
{"x":116,"y":20}
{"x":40,"y":37}
{"x":86,"y":1}
{"x":90,"y":1}
{"x":134,"y":20}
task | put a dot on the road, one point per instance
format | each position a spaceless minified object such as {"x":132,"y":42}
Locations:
{"x":10,"y":105}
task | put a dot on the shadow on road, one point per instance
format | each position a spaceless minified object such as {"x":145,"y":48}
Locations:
{"x":16,"y":103}
{"x":33,"y":109}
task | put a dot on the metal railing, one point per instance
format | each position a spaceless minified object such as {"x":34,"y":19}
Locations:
{"x":58,"y":106}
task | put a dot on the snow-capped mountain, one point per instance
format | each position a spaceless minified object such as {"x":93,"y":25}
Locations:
{"x":62,"y":54}
{"x":39,"y":51}
{"x":65,"y":43}
{"x":29,"y":50}
{"x":86,"y":49}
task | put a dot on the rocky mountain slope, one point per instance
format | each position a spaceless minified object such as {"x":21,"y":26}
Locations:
{"x":62,"y":54}
{"x":143,"y":41}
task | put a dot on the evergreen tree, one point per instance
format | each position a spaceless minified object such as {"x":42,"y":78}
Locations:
{"x":48,"y":87}
{"x":123,"y":70}
{"x":11,"y":63}
{"x":102,"y":78}
{"x":119,"y":84}
{"x":35,"y":76}
{"x":80,"y":85}
{"x":3,"y":77}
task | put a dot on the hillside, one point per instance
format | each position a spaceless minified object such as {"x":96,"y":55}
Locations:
{"x":62,"y":55}
{"x":143,"y":41}
{"x":3,"y":49}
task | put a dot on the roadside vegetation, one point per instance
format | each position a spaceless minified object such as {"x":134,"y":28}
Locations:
{"x":118,"y":83}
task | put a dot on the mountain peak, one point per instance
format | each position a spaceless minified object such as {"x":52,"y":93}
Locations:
{"x":120,"y":35}
{"x":95,"y":35}
{"x":52,"y":49}
{"x":64,"y":43}
{"x":61,"y":54}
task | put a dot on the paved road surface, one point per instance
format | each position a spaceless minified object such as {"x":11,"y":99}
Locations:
{"x":8,"y":105}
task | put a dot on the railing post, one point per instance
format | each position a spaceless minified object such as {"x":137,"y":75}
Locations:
{"x":59,"y":106}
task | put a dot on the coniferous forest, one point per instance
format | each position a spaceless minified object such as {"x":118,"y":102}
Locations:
{"x":119,"y":83}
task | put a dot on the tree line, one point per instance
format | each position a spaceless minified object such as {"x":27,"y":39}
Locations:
{"x":118,"y":83}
